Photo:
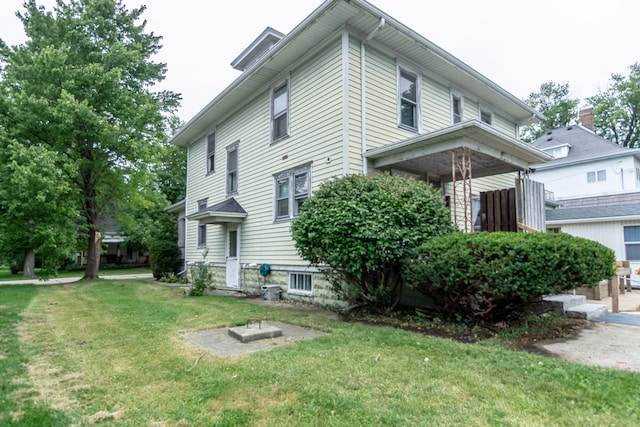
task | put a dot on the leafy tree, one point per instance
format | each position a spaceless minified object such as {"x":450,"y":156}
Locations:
{"x":81,"y":87}
{"x":37,"y":216}
{"x":554,"y":102}
{"x":362,"y":226}
{"x":617,"y":110}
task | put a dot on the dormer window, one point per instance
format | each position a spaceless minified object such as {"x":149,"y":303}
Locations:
{"x":558,"y":151}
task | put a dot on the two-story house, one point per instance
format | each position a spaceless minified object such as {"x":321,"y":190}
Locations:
{"x":595,"y":184}
{"x":349,"y":90}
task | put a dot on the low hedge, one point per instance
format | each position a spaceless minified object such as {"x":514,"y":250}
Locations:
{"x":486,"y":276}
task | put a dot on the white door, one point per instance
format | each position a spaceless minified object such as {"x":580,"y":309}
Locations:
{"x":233,"y":259}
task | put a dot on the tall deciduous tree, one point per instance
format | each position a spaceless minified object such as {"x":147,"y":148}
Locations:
{"x":617,"y":110}
{"x":37,"y":216}
{"x":554,"y":102}
{"x":81,"y":87}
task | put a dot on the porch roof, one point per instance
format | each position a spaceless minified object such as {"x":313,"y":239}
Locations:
{"x":492,"y":152}
{"x":225,"y":212}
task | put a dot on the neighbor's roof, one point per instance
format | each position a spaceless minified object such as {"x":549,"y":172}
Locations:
{"x":361,"y":18}
{"x":585,"y":147}
{"x":593,"y":214}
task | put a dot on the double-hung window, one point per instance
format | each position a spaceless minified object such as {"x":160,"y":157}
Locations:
{"x":280,"y":112}
{"x":232,"y":169}
{"x":292,"y":188}
{"x":632,"y":242}
{"x":597,"y":176}
{"x":211,"y":153}
{"x":456,"y":108}
{"x":408,"y":102}
{"x":486,"y":116}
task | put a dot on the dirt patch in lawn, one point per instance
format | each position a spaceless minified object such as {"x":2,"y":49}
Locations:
{"x":219,"y":343}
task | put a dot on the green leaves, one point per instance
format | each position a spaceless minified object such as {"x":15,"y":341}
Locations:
{"x":488,"y":275}
{"x":362,"y":226}
{"x":553,"y":101}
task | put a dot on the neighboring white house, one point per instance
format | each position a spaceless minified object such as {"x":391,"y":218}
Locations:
{"x":596,"y":185}
{"x":349,"y":90}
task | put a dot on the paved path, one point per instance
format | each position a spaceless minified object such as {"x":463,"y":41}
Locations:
{"x":59,"y":280}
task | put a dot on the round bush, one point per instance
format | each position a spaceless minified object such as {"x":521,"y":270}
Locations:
{"x":489,"y":275}
{"x":361,"y":226}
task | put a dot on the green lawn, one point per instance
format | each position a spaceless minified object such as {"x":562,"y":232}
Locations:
{"x":111,"y":352}
{"x":6,"y":276}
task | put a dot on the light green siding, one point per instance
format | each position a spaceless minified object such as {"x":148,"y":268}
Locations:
{"x":436,"y":105}
{"x":505,"y":126}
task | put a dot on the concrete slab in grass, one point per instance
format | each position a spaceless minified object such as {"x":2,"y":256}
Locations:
{"x":219,"y":343}
{"x":254,"y":332}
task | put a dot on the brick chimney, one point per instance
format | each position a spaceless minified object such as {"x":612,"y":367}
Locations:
{"x":586,"y":117}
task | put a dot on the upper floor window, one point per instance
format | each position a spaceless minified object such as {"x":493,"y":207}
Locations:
{"x":211,"y":153}
{"x":232,"y":169}
{"x":456,"y":108}
{"x":408,"y":105}
{"x":486,"y":116}
{"x":292,"y":188}
{"x":280,"y":112}
{"x":637,"y":174}
{"x":597,"y":176}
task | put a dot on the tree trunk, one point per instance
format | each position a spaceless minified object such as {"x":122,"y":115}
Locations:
{"x":29,"y":268}
{"x":93,"y":255}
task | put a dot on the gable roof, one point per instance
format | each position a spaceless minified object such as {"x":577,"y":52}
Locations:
{"x":361,"y":18}
{"x":227,"y":211}
{"x":585,"y":147}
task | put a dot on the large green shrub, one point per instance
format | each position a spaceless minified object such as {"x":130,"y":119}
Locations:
{"x":361,"y":227}
{"x":163,"y":258}
{"x":487,"y":276}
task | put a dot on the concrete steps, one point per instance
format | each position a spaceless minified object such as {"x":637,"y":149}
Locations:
{"x":575,"y":306}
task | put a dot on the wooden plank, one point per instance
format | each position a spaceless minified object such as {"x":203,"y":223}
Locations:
{"x":513,"y":223}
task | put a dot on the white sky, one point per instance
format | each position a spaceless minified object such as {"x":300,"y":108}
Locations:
{"x":518,"y":45}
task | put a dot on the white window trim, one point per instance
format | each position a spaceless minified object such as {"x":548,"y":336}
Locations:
{"x":233,"y":147}
{"x":630,"y":242}
{"x":294,"y":291}
{"x":290,"y":175}
{"x":211,"y":168}
{"x":457,"y":95}
{"x":287,"y":111}
{"x":200,"y":244}
{"x":407,"y":69}
{"x":483,"y":109}
{"x":596,"y":176}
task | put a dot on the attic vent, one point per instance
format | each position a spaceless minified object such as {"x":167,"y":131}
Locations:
{"x":569,"y":127}
{"x":549,"y":132}
{"x":550,"y":138}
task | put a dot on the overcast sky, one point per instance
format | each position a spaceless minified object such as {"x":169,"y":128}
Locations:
{"x":518,"y":45}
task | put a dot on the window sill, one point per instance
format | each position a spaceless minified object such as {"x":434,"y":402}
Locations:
{"x":282,"y":138}
{"x":281,"y":220}
{"x":300,"y":293}
{"x":408,"y":128}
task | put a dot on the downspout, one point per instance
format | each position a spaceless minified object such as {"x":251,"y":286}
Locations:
{"x":363,"y":94}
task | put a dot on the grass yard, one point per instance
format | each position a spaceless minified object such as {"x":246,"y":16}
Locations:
{"x":110,"y":353}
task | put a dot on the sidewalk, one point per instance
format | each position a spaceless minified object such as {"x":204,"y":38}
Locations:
{"x":60,"y":280}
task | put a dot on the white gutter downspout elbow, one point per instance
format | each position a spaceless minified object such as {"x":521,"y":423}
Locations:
{"x":363,"y":94}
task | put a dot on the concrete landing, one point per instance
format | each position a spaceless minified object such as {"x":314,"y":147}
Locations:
{"x":254,"y":332}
